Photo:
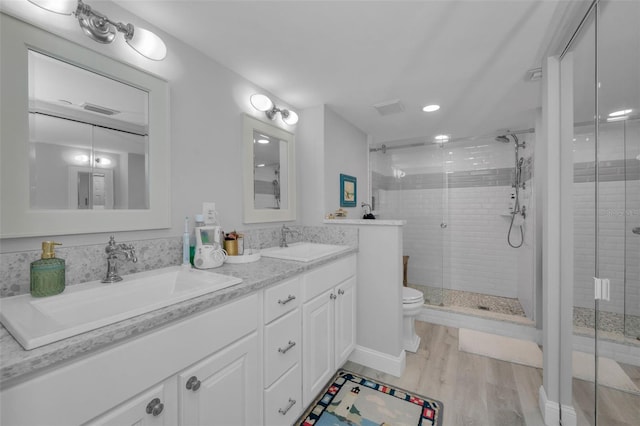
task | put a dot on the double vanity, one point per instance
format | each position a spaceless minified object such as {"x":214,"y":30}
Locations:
{"x":254,"y":346}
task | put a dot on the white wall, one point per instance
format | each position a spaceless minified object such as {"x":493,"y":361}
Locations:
{"x":328,"y":145}
{"x":310,"y":165}
{"x":207,"y":101}
{"x":345,"y":150}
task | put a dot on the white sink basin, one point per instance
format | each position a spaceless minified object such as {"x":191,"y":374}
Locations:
{"x":303,"y":252}
{"x":36,"y":322}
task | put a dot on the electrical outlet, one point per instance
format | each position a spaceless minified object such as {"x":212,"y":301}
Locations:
{"x":209,"y":213}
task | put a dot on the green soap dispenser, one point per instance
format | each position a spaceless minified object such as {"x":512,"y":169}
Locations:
{"x":47,"y":273}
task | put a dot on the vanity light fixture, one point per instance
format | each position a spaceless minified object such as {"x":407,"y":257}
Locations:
{"x":266,"y":105}
{"x":103,"y":30}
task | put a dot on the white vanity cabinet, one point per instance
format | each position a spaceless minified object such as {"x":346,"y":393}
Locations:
{"x":222,"y":389}
{"x":282,"y":353}
{"x":120,"y":385}
{"x":329,"y":323}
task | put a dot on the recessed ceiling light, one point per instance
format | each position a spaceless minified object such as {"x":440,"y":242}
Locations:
{"x":441,"y":139}
{"x":431,"y":108}
{"x":263,"y":141}
{"x":621,"y":112}
{"x":259,"y":165}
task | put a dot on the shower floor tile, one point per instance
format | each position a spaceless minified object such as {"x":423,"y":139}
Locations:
{"x":469,"y":300}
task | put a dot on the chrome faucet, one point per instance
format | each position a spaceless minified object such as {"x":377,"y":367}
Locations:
{"x":283,"y":235}
{"x":114,"y":250}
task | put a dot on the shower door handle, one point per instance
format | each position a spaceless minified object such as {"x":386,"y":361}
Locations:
{"x":636,"y":230}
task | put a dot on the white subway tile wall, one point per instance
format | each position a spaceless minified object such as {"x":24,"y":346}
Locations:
{"x":471,"y":253}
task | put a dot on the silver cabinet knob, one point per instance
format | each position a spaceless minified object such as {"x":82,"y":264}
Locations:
{"x":340,"y":291}
{"x":193,"y":383}
{"x":332,"y":296}
{"x":155,"y":407}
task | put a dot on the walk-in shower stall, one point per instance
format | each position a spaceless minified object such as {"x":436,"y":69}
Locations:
{"x":469,"y":207}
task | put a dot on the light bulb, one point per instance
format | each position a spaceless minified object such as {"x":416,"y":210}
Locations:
{"x":147,"y":44}
{"x":261,"y":102}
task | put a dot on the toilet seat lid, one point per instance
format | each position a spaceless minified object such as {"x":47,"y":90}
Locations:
{"x":411,"y":295}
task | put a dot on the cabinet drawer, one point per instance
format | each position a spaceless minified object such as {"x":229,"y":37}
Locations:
{"x":283,"y":400}
{"x":282,"y":345}
{"x":282,"y":298}
{"x":321,"y":279}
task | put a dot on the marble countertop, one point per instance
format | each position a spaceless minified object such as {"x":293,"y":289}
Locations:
{"x":372,"y":222}
{"x":19,"y":364}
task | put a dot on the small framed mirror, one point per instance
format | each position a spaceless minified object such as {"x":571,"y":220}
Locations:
{"x":269,"y":172}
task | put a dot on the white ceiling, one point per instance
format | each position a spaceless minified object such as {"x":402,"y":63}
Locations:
{"x":471,"y":57}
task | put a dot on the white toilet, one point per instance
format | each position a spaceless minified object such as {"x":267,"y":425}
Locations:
{"x":412,"y":301}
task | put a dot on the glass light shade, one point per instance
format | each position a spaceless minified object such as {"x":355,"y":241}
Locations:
{"x":261,"y":102}
{"x":290,"y":118}
{"x":148,"y":44}
{"x":63,"y":7}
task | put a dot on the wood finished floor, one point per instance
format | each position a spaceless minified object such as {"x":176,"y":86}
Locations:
{"x":482,"y":391}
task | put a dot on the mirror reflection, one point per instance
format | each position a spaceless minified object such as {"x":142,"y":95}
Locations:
{"x":88,"y":139}
{"x":270,"y":172}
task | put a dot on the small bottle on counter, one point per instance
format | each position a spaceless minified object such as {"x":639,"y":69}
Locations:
{"x":47,"y":275}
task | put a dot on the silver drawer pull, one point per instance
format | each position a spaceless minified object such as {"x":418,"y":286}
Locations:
{"x":284,"y":411}
{"x":285,"y":350}
{"x":287,"y":300}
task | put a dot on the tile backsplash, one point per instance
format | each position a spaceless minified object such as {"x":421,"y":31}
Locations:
{"x":88,"y":262}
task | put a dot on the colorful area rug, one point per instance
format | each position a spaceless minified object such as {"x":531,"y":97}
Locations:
{"x":351,"y":399}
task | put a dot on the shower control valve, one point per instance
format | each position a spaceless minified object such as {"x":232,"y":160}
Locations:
{"x":443,"y":225}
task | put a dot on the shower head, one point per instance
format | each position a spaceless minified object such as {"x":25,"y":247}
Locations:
{"x":505,"y":139}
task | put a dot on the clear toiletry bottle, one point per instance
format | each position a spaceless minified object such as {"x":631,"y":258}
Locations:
{"x":47,"y":273}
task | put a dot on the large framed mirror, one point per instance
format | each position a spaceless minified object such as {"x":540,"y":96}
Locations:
{"x":85,"y":141}
{"x":269,"y":172}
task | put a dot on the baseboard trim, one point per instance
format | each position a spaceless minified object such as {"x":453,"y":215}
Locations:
{"x":386,"y":363}
{"x":551,"y":412}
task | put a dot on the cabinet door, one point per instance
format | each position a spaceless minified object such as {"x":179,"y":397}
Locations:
{"x":318,"y":345}
{"x":156,"y":406}
{"x":223,"y":389}
{"x":345,"y":320}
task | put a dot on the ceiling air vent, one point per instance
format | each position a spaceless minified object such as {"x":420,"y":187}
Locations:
{"x":99,"y":109}
{"x":389,"y":107}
